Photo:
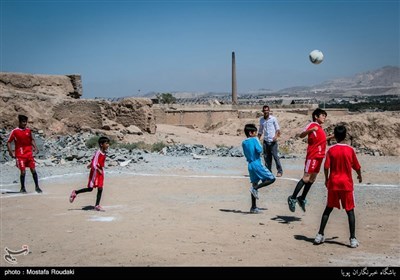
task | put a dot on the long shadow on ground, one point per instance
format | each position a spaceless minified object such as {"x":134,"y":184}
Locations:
{"x":240,"y":211}
{"x":84,"y":208}
{"x":286,"y":219}
{"x":327,"y":240}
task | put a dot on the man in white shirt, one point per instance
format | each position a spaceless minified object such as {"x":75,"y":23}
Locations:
{"x":269,"y":127}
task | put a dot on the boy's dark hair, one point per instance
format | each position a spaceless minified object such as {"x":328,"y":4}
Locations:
{"x":103,"y":140}
{"x":250,"y":127}
{"x":22,"y":118}
{"x":317,"y":112}
{"x":340,"y":133}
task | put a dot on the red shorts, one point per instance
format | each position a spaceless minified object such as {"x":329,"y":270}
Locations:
{"x":96,"y":179}
{"x":25,"y":162}
{"x":346,"y":198}
{"x":313,"y":165}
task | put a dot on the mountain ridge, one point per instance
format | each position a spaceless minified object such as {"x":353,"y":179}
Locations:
{"x":384,"y":80}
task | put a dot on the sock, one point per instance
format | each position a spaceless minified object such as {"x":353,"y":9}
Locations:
{"x":84,"y":190}
{"x":324,"y":219}
{"x":253,"y":201}
{"x":352,"y":223}
{"x":298,"y":188}
{"x":99,"y":192}
{"x":307,"y":187}
{"x":35,"y":179}
{"x":22,"y":180}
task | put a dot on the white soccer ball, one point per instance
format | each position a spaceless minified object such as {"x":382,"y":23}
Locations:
{"x":316,"y":56}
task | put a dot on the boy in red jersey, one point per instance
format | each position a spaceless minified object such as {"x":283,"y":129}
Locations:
{"x":96,"y":176}
{"x":24,"y":147}
{"x":339,"y":162}
{"x":315,"y":154}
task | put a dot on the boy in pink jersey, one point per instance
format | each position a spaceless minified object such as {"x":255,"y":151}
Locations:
{"x":315,"y":154}
{"x":24,"y":147}
{"x":96,"y":176}
{"x":339,"y":162}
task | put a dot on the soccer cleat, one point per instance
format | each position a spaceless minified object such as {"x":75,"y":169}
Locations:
{"x":354,"y":243}
{"x":72,"y":196}
{"x":279,"y":174}
{"x":38,"y":190}
{"x":254,"y":192}
{"x":23,"y":190}
{"x":291,"y":203}
{"x":255,"y":210}
{"x":99,"y":208}
{"x":302,"y":203}
{"x":319,"y":239}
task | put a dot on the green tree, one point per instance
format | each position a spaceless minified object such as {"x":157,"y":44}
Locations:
{"x":166,"y":98}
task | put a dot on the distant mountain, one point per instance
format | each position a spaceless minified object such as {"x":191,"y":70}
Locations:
{"x":388,"y":76}
{"x":385,"y":80}
{"x":178,"y":94}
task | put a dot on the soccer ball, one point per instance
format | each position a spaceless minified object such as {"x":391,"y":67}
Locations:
{"x":316,"y":56}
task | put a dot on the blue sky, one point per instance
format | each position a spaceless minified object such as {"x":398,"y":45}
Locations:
{"x":126,"y":48}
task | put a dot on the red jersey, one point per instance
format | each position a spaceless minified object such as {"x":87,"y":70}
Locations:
{"x":341,"y":159}
{"x":96,"y":179}
{"x":316,"y":142}
{"x":23,"y":142}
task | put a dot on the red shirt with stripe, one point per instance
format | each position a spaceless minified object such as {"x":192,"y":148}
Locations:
{"x":23,"y":142}
{"x":96,"y":179}
{"x":341,"y":159}
{"x":316,"y":142}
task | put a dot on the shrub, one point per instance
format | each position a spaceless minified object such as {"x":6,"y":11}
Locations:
{"x":92,"y":142}
{"x":156,"y":147}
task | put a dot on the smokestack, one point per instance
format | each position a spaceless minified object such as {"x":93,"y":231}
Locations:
{"x":234,"y":90}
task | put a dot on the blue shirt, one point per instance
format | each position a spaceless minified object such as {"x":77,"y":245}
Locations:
{"x":252,"y":149}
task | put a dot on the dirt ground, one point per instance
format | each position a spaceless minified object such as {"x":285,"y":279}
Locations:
{"x":185,"y":217}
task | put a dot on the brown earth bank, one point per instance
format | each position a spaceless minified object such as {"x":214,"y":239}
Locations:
{"x":376,"y":133}
{"x":54,"y":107}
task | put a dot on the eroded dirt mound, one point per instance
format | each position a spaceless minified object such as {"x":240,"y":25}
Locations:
{"x":53,"y":106}
{"x":373,"y":132}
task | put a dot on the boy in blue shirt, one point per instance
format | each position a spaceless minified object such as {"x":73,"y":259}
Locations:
{"x":252,"y":150}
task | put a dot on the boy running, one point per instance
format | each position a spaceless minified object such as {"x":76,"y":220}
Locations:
{"x":252,"y":150}
{"x":96,"y":176}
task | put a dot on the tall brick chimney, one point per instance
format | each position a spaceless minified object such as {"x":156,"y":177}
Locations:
{"x":234,"y":90}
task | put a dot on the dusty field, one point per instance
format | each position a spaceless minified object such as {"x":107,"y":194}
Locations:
{"x":195,"y":213}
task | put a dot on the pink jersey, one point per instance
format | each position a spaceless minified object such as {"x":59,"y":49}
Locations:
{"x":341,"y":159}
{"x":316,"y":142}
{"x":23,"y":142}
{"x":96,"y":179}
